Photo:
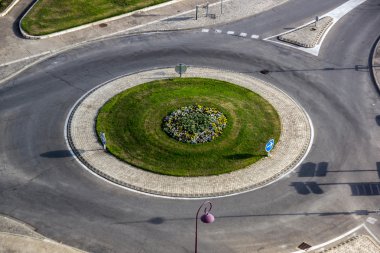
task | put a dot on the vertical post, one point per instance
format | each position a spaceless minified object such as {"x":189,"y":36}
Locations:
{"x":196,"y":12}
{"x":103,"y":139}
{"x":206,"y":204}
{"x":206,"y":9}
{"x":221,"y":6}
{"x":180,"y":70}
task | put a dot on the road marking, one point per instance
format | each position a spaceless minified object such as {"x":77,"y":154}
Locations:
{"x":371,"y":220}
{"x":205,"y":30}
{"x":336,"y":14}
{"x":231,"y":32}
{"x":25,"y":58}
{"x":218,"y":31}
{"x":243,"y":35}
{"x":255,"y":36}
{"x":372,"y":234}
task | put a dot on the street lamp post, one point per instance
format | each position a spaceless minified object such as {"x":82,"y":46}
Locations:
{"x":207,"y":217}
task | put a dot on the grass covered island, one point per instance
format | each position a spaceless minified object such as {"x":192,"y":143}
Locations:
{"x":188,"y":126}
{"x":49,"y":16}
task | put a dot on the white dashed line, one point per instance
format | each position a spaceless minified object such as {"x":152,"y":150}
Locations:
{"x":243,"y":35}
{"x":255,"y":36}
{"x":205,"y":30}
{"x":231,"y":32}
{"x":218,"y":31}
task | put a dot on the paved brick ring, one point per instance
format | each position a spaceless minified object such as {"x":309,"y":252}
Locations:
{"x":295,"y":141}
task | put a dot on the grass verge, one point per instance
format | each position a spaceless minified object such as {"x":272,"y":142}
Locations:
{"x":49,"y":16}
{"x":132,"y":121}
{"x":4,"y":4}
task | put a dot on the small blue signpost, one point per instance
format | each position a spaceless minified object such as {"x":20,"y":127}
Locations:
{"x":103,"y":139}
{"x":269,"y":146}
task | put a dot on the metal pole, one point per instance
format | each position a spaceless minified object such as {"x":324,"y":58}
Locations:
{"x":180,"y":70}
{"x":196,"y":12}
{"x":221,"y":6}
{"x":206,"y":9}
{"x":196,"y":221}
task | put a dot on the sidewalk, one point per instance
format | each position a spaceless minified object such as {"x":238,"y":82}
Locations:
{"x":16,"y":236}
{"x":17,"y":52}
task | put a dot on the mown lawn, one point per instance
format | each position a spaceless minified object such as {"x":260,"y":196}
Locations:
{"x":49,"y":16}
{"x":133,"y":120}
{"x":4,"y":4}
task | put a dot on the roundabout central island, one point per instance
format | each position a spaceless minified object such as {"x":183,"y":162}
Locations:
{"x":198,"y":136}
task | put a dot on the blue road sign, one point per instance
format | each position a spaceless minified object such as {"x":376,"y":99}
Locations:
{"x":269,"y":146}
{"x":103,"y":138}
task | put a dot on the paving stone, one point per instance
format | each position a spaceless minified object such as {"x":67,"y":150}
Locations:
{"x":308,"y":36}
{"x":294,"y":141}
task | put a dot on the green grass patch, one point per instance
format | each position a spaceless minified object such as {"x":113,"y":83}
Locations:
{"x":49,"y":16}
{"x":132,"y":121}
{"x":4,"y":4}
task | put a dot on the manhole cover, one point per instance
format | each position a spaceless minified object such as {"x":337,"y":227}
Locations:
{"x":304,"y":246}
{"x":264,"y":71}
{"x":102,"y":25}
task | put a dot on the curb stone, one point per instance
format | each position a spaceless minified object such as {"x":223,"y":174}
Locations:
{"x":77,"y":28}
{"x":80,"y":136}
{"x":9,"y":8}
{"x":348,"y":244}
{"x":375,"y":70}
{"x":292,"y":38}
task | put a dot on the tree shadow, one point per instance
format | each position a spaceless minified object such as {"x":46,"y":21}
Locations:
{"x":377,"y":120}
{"x":156,"y":220}
{"x":307,"y":188}
{"x":64,"y":153}
{"x":313,"y":170}
{"x":179,"y":19}
{"x":365,"y":189}
{"x":57,"y":154}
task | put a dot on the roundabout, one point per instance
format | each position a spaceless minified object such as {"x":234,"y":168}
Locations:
{"x":256,"y":170}
{"x":333,"y":192}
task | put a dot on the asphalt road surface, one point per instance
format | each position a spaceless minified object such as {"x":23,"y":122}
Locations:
{"x":334,"y":190}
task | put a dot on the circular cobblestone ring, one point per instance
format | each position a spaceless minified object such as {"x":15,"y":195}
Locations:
{"x":295,"y":140}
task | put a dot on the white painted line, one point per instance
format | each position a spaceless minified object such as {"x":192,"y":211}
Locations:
{"x":231,"y":32}
{"x":313,"y":51}
{"x":255,"y":36}
{"x":336,"y":14}
{"x":218,"y":31}
{"x":333,"y":240}
{"x":205,"y":30}
{"x":344,"y":9}
{"x":370,"y":232}
{"x":243,"y":35}
{"x":5,"y":12}
{"x":371,"y":220}
{"x":25,"y":58}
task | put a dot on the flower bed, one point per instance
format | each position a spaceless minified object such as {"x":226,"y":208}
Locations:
{"x":195,"y":124}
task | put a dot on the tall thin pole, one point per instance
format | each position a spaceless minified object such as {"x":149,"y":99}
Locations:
{"x":221,"y":6}
{"x":196,"y":221}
